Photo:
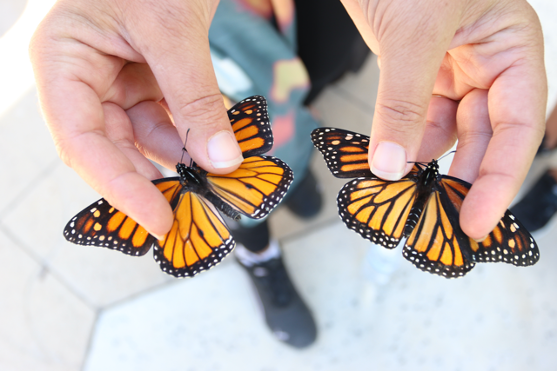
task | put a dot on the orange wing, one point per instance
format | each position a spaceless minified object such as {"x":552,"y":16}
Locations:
{"x":345,"y":152}
{"x":377,"y":209}
{"x":102,"y":225}
{"x":256,"y":187}
{"x":251,"y":125}
{"x":435,"y":245}
{"x":198,"y":239}
{"x":509,"y":242}
{"x":438,"y":245}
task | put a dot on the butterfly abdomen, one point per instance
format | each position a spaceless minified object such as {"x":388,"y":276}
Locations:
{"x":417,"y":209}
{"x":413,"y":218}
{"x":223,"y":207}
{"x":425,"y":180}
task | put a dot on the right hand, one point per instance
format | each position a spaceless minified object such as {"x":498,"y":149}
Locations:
{"x":467,"y":69}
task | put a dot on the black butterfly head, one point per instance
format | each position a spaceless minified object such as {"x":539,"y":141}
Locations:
{"x":188,"y":175}
{"x":434,"y":166}
{"x":181,"y":169}
{"x":430,"y":173}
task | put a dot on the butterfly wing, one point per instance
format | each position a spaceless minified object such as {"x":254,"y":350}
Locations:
{"x":102,"y":225}
{"x":377,"y":209}
{"x":256,"y":187}
{"x":251,"y":125}
{"x":509,"y":242}
{"x":198,"y":239}
{"x":345,"y":152}
{"x":437,"y":244}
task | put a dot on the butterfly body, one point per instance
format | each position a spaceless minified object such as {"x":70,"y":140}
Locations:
{"x":425,"y":182}
{"x":199,"y":238}
{"x":194,"y":179}
{"x":422,"y":207}
{"x":191,"y":176}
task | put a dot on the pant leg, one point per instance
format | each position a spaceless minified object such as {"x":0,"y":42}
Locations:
{"x":255,"y":238}
{"x":329,"y":43}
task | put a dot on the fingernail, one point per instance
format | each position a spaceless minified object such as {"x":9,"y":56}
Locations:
{"x":223,"y":150}
{"x":160,"y":238}
{"x":480,"y":240}
{"x":389,"y":161}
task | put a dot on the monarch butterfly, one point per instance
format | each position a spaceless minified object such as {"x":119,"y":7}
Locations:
{"x":199,"y":238}
{"x":423,"y":207}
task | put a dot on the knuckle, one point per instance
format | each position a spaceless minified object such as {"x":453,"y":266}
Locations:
{"x":205,"y":111}
{"x":401,"y":115}
{"x":476,"y":134}
{"x":178,"y":18}
{"x":519,"y":129}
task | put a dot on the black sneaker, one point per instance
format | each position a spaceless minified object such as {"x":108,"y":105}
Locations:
{"x":539,"y":205}
{"x":286,"y":314}
{"x":305,"y":200}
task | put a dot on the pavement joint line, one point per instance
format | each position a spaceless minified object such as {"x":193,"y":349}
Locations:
{"x":45,"y":268}
{"x":90,"y":338}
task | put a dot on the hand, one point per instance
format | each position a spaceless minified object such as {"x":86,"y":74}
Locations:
{"x":94,"y":61}
{"x":466,"y":69}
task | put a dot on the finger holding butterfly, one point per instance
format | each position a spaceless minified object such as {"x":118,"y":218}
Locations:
{"x":99,"y":147}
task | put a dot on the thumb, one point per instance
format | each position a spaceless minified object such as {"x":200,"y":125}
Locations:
{"x":176,"y":46}
{"x":411,"y":38}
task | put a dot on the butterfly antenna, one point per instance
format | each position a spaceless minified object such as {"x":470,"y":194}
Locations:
{"x":425,"y":163}
{"x":416,"y":162}
{"x":184,"y":150}
{"x":446,"y":154}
